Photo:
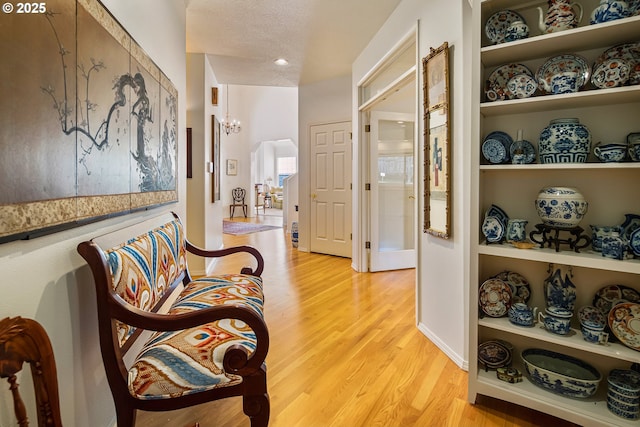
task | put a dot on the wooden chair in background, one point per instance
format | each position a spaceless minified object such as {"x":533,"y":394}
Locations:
{"x":238,"y":194}
{"x":25,"y":341}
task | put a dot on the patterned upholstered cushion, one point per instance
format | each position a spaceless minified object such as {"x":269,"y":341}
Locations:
{"x":189,"y":361}
{"x":144,"y":267}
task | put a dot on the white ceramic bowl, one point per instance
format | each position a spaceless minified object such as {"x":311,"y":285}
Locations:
{"x":562,"y":207}
{"x":560,"y":373}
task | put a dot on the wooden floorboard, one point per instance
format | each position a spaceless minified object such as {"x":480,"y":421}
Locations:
{"x":345,"y":352}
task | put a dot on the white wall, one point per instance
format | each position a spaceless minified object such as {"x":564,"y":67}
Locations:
{"x":204,"y":216}
{"x":45,"y":278}
{"x":321,"y":102}
{"x":442,"y":266}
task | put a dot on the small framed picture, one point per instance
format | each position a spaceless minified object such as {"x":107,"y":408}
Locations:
{"x":232,"y":167}
{"x":214,"y":96}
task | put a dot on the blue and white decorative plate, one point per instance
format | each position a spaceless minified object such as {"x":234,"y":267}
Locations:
{"x":496,"y":26}
{"x":495,"y":210}
{"x":634,"y":242}
{"x":493,"y":150}
{"x":504,"y":138}
{"x":493,"y":229}
{"x":528,"y":149}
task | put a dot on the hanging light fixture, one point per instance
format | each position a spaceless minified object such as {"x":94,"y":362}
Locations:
{"x":228,"y":125}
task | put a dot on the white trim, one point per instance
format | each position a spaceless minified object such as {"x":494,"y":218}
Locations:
{"x":455,"y":357}
{"x":406,"y":41}
{"x":404,"y":79}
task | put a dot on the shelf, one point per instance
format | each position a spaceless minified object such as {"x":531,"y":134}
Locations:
{"x":603,"y":35}
{"x":587,"y":412}
{"x":561,"y":166}
{"x":573,"y":340}
{"x":588,"y":98}
{"x":587,"y":259}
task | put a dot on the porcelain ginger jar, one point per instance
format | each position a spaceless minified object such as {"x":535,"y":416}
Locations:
{"x":564,"y":141}
{"x":562,"y":207}
{"x":610,"y":10}
{"x":561,"y":15}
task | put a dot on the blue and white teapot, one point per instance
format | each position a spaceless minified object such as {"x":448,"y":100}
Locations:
{"x":610,"y":10}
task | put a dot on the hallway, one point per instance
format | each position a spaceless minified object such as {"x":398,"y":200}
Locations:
{"x":345,"y":351}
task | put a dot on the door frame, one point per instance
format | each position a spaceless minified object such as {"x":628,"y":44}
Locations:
{"x":361,"y":213}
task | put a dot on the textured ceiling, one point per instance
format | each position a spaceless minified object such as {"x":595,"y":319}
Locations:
{"x":319,"y":38}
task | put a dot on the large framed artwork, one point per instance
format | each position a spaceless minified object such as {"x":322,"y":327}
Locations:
{"x":89,"y":121}
{"x":437,"y":144}
{"x":215,"y":158}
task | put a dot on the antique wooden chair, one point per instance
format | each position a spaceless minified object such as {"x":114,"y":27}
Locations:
{"x":238,"y":194}
{"x":25,"y":341}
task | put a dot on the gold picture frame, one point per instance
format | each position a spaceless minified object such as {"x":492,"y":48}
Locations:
{"x":437,"y":143}
{"x":214,"y":96}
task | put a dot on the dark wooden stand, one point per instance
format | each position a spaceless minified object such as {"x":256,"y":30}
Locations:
{"x":550,"y":235}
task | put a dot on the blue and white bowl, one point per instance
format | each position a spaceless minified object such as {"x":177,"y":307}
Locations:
{"x":613,"y":152}
{"x":562,"y":207}
{"x":622,"y":413}
{"x":630,"y":400}
{"x":560,"y":373}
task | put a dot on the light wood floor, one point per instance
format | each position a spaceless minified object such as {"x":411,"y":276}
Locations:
{"x":345,"y":352}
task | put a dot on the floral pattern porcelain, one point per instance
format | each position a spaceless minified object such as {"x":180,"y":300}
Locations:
{"x":561,"y":15}
{"x":521,"y":86}
{"x":496,"y":26}
{"x":497,"y":82}
{"x":592,"y":317}
{"x":564,"y":141}
{"x":634,"y":242}
{"x":566,"y":66}
{"x":629,"y":52}
{"x":494,"y":151}
{"x":494,"y":354}
{"x":610,"y":295}
{"x":520,"y":287}
{"x":624,"y":321}
{"x":498,"y":212}
{"x":598,"y":232}
{"x":494,"y":297}
{"x":561,"y":207}
{"x":613,"y":152}
{"x":610,"y":10}
{"x":610,"y":73}
{"x":517,"y":30}
{"x":630,"y":224}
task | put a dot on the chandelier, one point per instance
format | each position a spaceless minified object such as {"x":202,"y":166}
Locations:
{"x":228,"y":125}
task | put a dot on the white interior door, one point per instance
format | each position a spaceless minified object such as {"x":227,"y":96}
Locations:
{"x":393,"y":209}
{"x":330,"y":184}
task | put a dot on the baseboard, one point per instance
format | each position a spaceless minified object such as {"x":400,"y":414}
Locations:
{"x":455,"y":357}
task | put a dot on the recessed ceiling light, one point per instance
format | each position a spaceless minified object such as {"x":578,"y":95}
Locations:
{"x":281,"y":61}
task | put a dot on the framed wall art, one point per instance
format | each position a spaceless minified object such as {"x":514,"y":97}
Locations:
{"x":214,"y":96}
{"x":95,"y":136}
{"x":232,"y":167}
{"x":215,"y":158}
{"x":437,"y":143}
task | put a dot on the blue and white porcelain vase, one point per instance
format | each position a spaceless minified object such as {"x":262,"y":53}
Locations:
{"x":564,"y":141}
{"x":561,"y":207}
{"x":610,"y":10}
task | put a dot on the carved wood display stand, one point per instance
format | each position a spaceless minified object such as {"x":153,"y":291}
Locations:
{"x":551,"y":236}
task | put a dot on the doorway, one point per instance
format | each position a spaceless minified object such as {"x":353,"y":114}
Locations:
{"x":388,"y":110}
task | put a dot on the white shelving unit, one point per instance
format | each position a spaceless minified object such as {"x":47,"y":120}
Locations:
{"x":610,"y":189}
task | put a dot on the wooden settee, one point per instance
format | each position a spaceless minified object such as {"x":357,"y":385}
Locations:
{"x":169,"y":341}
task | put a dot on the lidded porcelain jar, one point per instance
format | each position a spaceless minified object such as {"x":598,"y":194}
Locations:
{"x":564,"y":141}
{"x":562,"y":207}
{"x":516,"y":30}
{"x":610,"y":10}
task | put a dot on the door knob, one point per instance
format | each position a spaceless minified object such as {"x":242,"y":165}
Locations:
{"x":314,"y":196}
{"x":412,"y":197}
